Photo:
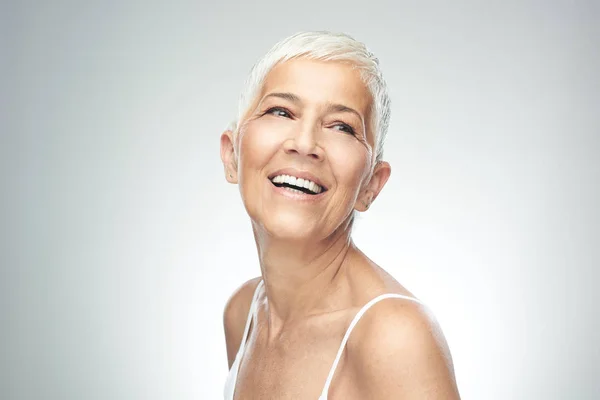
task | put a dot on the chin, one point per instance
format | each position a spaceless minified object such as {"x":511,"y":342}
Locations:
{"x":290,"y":226}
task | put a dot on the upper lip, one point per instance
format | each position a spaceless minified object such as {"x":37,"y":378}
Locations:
{"x":298,"y":174}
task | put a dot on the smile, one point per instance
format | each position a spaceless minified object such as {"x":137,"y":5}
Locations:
{"x":297,"y":185}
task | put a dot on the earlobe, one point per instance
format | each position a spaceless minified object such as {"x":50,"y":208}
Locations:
{"x":364,"y":201}
{"x":228,"y":156}
{"x":381,"y":174}
{"x":368,"y":199}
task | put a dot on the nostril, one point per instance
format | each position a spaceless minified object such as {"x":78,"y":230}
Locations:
{"x":303,"y":144}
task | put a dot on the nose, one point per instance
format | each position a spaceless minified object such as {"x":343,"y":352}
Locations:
{"x":304,"y":141}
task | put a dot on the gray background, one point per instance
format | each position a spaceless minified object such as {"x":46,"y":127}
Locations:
{"x":121,"y":240}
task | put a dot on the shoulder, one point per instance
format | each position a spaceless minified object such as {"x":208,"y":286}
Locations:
{"x":398,"y":348}
{"x":235,"y":316}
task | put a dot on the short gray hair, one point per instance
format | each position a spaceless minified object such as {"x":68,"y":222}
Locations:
{"x":323,"y":46}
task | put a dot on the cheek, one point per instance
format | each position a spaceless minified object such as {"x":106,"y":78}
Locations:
{"x":259,"y":141}
{"x":350,"y":163}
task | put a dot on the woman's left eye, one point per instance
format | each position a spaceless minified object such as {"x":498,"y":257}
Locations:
{"x":344,"y":128}
{"x":278,"y":111}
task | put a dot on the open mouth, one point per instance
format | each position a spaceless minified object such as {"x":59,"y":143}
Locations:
{"x":298,"y":185}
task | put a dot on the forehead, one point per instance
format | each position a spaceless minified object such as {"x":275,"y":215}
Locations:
{"x":320,"y":82}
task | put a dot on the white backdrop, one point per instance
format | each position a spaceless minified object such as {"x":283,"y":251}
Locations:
{"x":122,"y":241}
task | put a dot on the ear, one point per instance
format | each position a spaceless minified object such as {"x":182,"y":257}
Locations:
{"x":380,"y":176}
{"x":229,"y":157}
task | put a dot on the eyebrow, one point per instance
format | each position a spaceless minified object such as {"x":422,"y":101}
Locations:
{"x":343,"y":108}
{"x":330,"y":107}
{"x":286,"y":96}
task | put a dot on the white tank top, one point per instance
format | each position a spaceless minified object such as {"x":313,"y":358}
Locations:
{"x":233,"y":372}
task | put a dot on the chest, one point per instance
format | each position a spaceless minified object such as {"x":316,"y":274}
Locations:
{"x":294,"y":366}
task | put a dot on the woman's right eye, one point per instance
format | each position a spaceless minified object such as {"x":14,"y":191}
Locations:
{"x":279,"y":112}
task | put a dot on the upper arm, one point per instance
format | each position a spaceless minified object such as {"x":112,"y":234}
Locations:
{"x":399,"y":351}
{"x":235,"y":315}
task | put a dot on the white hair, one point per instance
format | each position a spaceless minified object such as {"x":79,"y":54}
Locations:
{"x":324,"y":46}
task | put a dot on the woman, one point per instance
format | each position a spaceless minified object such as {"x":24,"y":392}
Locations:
{"x":322,"y":321}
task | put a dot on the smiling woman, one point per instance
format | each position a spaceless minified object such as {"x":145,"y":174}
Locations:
{"x":322,"y":321}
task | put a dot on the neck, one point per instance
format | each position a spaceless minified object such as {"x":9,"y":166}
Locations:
{"x":294,"y":271}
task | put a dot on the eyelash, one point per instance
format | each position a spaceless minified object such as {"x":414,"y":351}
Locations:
{"x":347,"y":128}
{"x":281,"y":109}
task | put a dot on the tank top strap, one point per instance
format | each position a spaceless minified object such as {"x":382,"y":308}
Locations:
{"x":230,"y":382}
{"x":251,"y":316}
{"x":357,"y":317}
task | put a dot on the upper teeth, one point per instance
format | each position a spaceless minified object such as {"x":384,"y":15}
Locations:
{"x":299,"y":182}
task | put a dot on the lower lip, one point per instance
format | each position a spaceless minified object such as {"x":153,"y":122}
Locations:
{"x":295,"y":195}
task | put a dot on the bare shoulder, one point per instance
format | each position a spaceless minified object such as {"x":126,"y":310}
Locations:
{"x":399,"y":350}
{"x":235,"y":315}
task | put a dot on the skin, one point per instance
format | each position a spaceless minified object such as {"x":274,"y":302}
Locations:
{"x":315,"y":117}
